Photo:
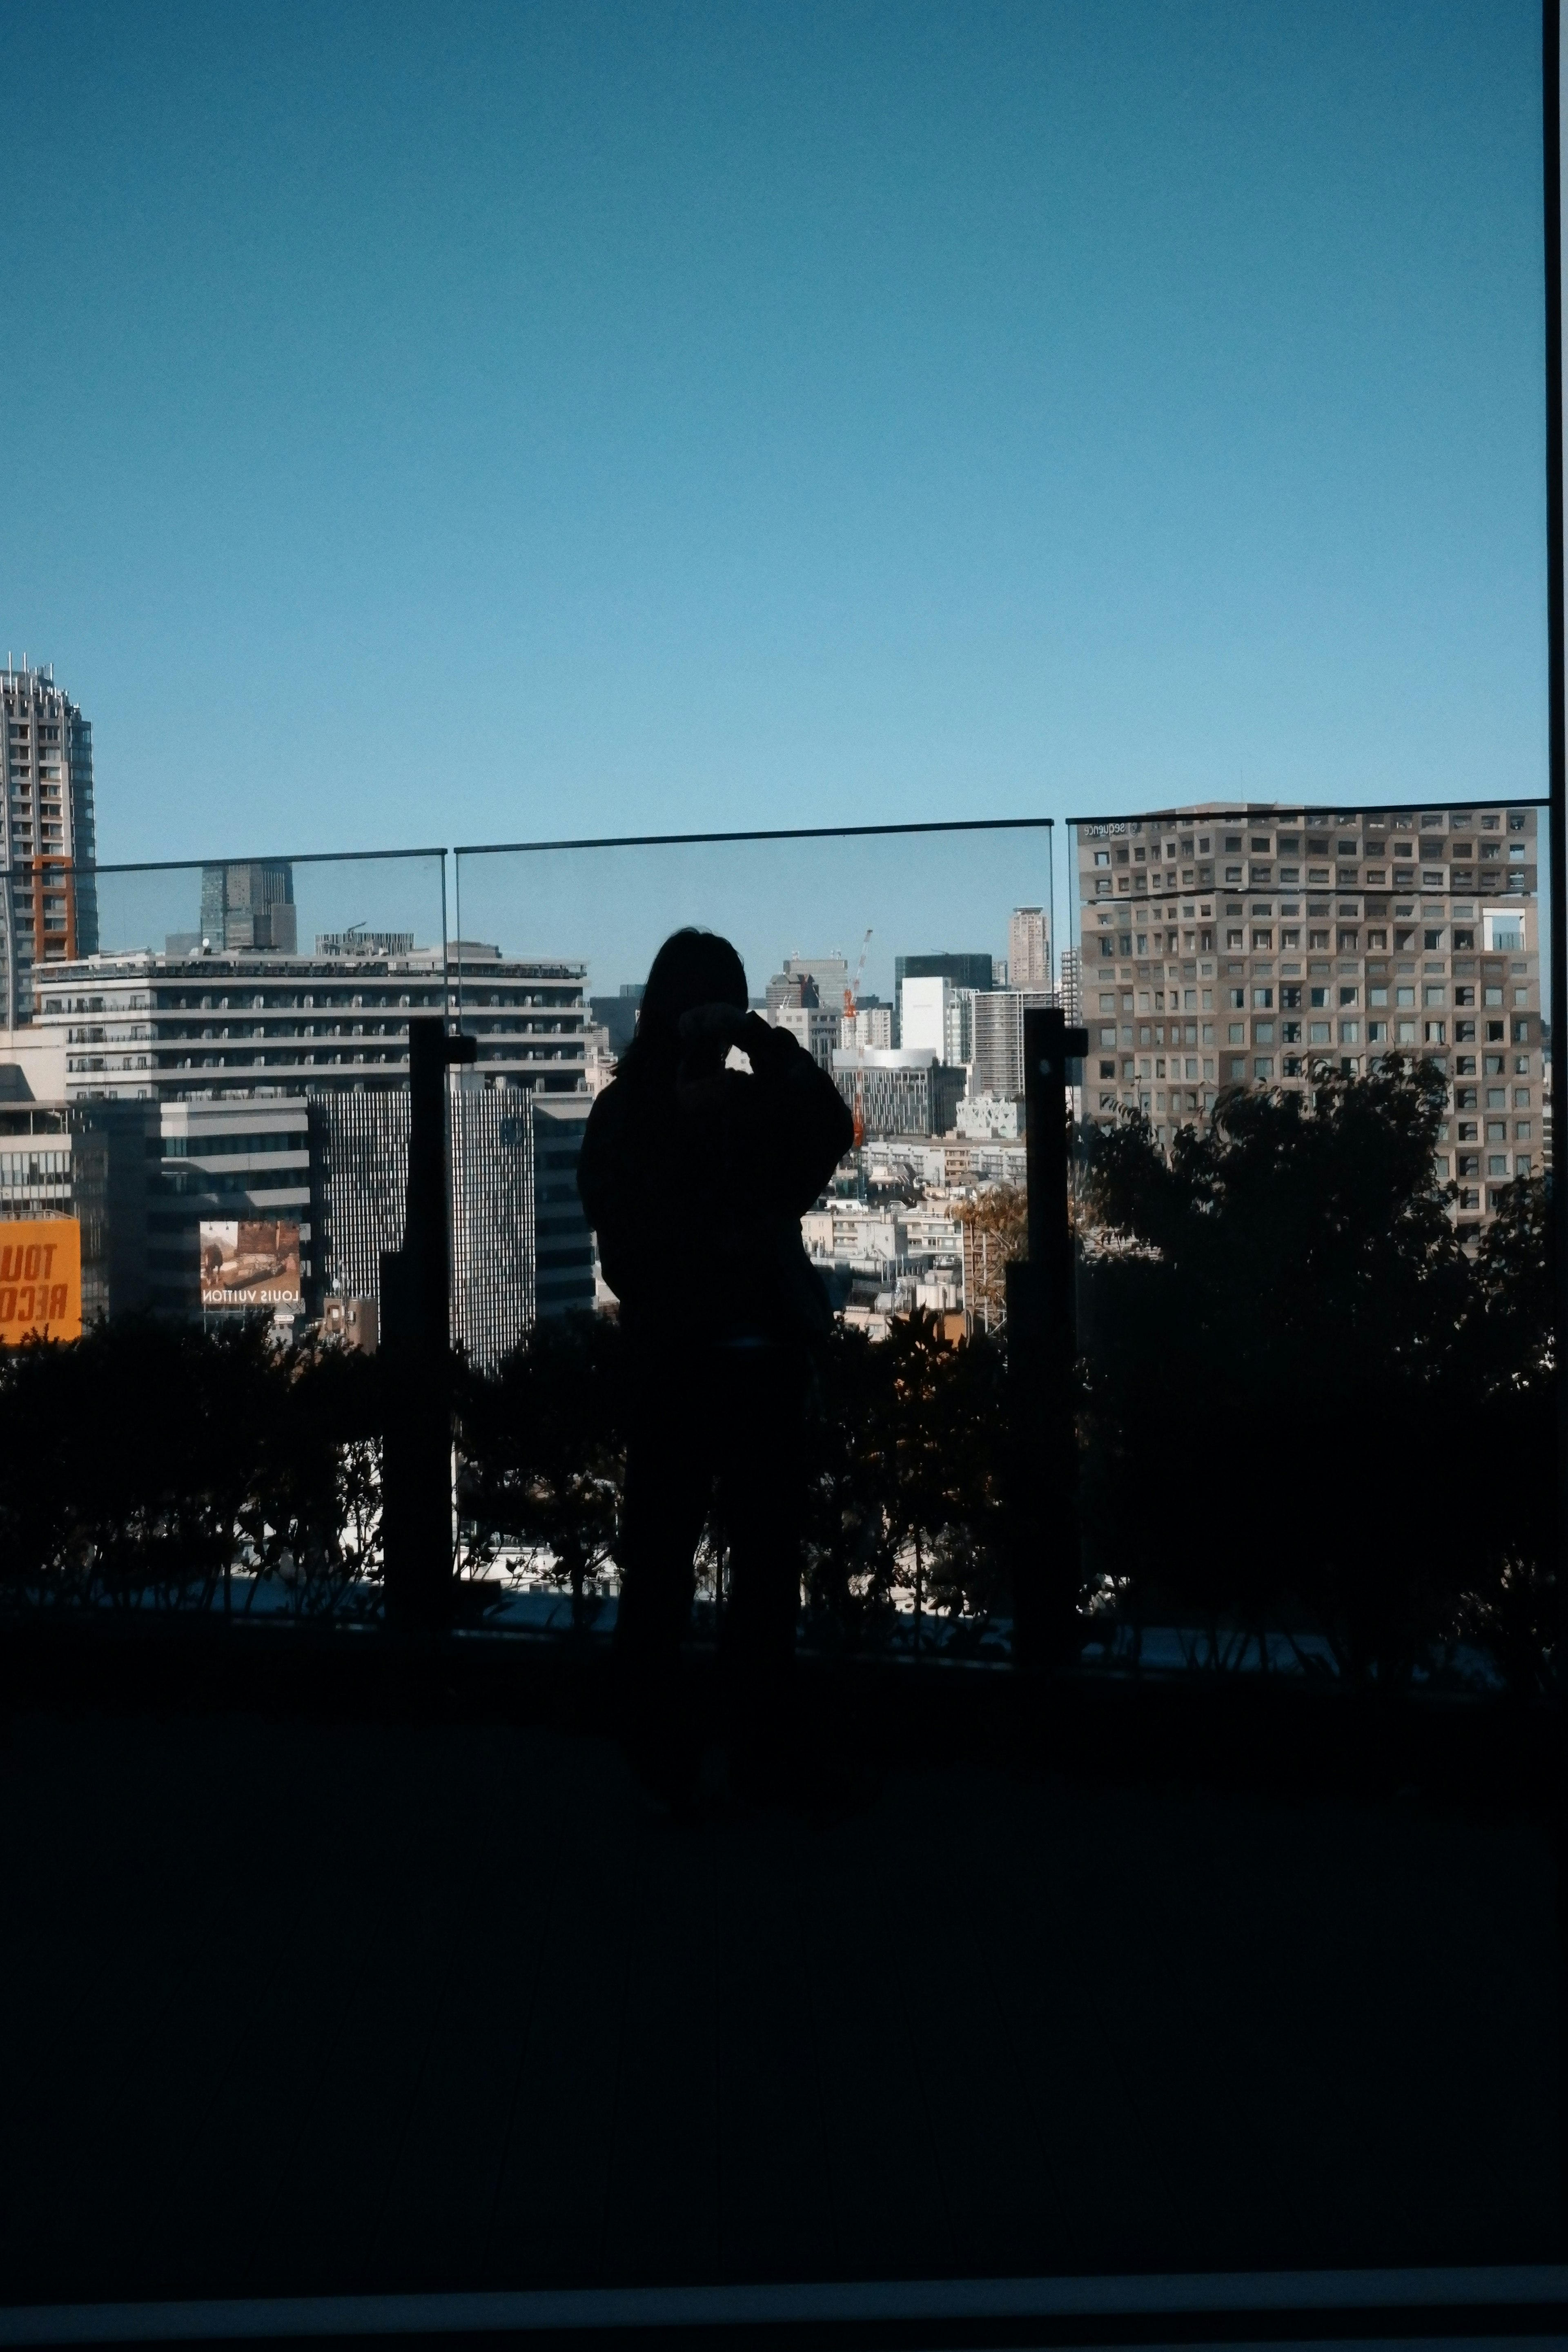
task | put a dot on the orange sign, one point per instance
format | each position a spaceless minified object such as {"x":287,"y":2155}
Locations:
{"x":40,"y":1279}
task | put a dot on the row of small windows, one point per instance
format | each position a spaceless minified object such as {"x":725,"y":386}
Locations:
{"x":1258,"y":838}
{"x":30,"y":1167}
{"x":1404,"y":852}
{"x":212,"y":1147}
{"x":1503,"y":938}
{"x":525,"y":999}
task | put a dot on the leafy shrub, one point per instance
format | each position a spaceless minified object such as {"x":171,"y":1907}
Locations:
{"x":160,"y":1455}
{"x":1281,"y":1316}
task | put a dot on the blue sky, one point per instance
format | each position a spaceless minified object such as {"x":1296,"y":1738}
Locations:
{"x":464,"y":424}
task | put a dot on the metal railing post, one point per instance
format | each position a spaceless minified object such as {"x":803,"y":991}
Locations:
{"x":1042,"y":1348}
{"x":416,"y":1347}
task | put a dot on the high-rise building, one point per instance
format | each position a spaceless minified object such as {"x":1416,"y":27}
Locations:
{"x":1029,"y":947}
{"x":938,"y":1017}
{"x":567,"y":1266}
{"x":49,"y":846}
{"x":998,"y":1056}
{"x":208,"y":1025}
{"x":275,"y":1085}
{"x":617,"y":1015}
{"x":1069,"y":994}
{"x":359,"y":1151}
{"x":1230,"y":946}
{"x":828,"y":974}
{"x":964,"y":970}
{"x":251,"y":904}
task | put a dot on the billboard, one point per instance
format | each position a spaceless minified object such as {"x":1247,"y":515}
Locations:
{"x":254,"y":1262}
{"x":40,"y":1279}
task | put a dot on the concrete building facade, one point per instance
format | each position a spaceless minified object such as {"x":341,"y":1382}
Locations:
{"x":1227,"y":946}
{"x":249,"y":904}
{"x":964,"y":969}
{"x":1029,"y":947}
{"x":272,"y":1085}
{"x":900,"y":1092}
{"x":205,"y":1024}
{"x":998,"y":1052}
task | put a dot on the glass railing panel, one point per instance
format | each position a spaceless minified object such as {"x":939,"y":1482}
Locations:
{"x":902,"y":961}
{"x":1308,"y":1179}
{"x":204,"y":1095}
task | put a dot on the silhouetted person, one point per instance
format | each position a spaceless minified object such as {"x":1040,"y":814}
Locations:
{"x":695,"y":1177}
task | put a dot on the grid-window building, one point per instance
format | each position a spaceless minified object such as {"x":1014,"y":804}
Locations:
{"x":49,"y":846}
{"x":1239,"y":946}
{"x":250,"y":903}
{"x":1029,"y":947}
{"x":188,"y":1026}
{"x":276,"y":1087}
{"x":360,"y":1157}
{"x":900,"y":1092}
{"x":965,"y":970}
{"x":1069,"y":993}
{"x":55,"y":1162}
{"x":563,"y":1239}
{"x":496,"y":1213}
{"x":998,"y":1052}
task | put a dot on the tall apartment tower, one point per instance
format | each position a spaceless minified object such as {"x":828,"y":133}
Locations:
{"x":997,"y":1061}
{"x":1029,"y":947}
{"x":251,"y":904}
{"x":1240,"y":946}
{"x":48,"y":847}
{"x":1069,"y":996}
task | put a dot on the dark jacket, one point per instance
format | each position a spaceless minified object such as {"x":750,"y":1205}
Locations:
{"x":697,"y":1208}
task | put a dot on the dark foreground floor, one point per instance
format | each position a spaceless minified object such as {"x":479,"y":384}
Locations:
{"x":289,"y":2009}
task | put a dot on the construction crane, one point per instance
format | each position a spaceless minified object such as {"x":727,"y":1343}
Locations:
{"x":851,"y":1007}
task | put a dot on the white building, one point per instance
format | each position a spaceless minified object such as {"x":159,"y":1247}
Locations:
{"x":209,"y":1025}
{"x":997,"y":1062}
{"x":871,"y":1025}
{"x":850,"y":1234}
{"x":938,"y":1017}
{"x":983,"y":1116}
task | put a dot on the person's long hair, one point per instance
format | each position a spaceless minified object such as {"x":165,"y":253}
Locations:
{"x":692,"y":968}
